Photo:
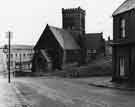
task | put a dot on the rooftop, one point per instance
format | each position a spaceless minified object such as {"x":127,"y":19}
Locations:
{"x":64,"y":38}
{"x":124,"y":7}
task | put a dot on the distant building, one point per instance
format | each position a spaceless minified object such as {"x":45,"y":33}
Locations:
{"x":94,"y":44}
{"x":68,"y":44}
{"x":20,"y":58}
{"x":123,"y":43}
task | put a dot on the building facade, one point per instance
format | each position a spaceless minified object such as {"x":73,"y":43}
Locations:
{"x":123,"y":44}
{"x":20,"y":58}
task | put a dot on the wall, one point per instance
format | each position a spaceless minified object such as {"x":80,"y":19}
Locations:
{"x":73,"y":56}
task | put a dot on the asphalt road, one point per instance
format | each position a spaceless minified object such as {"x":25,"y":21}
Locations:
{"x":61,"y":92}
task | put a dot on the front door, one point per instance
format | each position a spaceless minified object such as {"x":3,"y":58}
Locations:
{"x":122,"y":66}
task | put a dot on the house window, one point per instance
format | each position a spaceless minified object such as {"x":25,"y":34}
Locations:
{"x":122,"y":28}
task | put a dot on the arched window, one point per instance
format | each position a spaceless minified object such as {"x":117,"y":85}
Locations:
{"x":122,"y":28}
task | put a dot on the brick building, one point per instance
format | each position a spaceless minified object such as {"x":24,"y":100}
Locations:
{"x":67,"y":44}
{"x":123,"y":43}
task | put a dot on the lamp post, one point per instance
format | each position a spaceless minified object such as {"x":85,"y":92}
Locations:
{"x":6,"y":49}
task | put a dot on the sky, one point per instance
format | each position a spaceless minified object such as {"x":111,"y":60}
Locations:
{"x":26,"y":19}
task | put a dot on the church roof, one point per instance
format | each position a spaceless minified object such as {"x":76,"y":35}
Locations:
{"x":125,"y":6}
{"x":63,"y":37}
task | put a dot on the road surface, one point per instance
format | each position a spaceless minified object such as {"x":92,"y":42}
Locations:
{"x":61,"y":92}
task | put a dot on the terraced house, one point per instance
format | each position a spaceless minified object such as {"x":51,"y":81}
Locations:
{"x":123,"y":43}
{"x":69,"y":44}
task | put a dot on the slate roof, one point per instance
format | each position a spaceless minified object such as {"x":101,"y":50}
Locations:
{"x":63,"y":37}
{"x":93,"y":40}
{"x":125,"y":6}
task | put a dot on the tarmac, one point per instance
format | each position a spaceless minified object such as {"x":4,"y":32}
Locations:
{"x":106,"y":83}
{"x":11,"y":96}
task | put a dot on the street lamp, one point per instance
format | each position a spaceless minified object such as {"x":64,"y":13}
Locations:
{"x":6,"y":49}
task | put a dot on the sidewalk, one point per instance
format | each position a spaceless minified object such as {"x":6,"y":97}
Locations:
{"x":106,"y":83}
{"x":8,"y":97}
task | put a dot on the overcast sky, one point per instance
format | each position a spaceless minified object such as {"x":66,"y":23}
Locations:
{"x":27,"y":18}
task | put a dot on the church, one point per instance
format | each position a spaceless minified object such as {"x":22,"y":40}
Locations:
{"x":69,"y":44}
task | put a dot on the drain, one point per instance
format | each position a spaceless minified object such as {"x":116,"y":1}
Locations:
{"x":23,"y":105}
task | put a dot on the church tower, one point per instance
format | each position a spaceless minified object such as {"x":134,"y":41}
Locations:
{"x":73,"y":20}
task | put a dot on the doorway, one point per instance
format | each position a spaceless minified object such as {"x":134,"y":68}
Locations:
{"x":122,"y":66}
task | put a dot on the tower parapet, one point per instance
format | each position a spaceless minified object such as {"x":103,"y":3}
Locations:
{"x":73,"y":20}
{"x":71,"y":10}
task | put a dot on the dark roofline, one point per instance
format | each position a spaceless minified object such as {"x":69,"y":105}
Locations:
{"x":50,"y":28}
{"x":113,"y":15}
{"x":118,"y":8}
{"x":123,"y":12}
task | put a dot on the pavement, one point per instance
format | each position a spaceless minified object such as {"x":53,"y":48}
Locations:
{"x":113,"y":85}
{"x":8,"y":96}
{"x":105,"y":82}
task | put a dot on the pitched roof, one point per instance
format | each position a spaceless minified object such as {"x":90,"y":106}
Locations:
{"x":63,"y":37}
{"x":125,"y":6}
{"x":93,"y":40}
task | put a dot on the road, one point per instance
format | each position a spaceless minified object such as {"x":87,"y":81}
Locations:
{"x":63,"y":92}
